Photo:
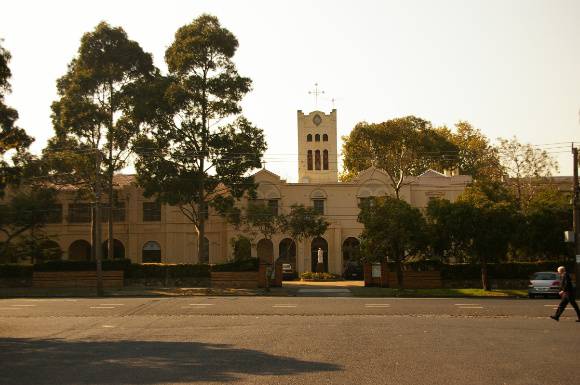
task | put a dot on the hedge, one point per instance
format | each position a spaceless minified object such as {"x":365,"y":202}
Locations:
{"x":60,"y":265}
{"x":251,"y":264}
{"x":14,"y":271}
{"x":515,"y":270}
{"x":320,"y":276}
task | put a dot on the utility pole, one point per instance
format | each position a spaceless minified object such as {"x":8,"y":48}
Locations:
{"x":97,"y":245}
{"x":576,"y":214}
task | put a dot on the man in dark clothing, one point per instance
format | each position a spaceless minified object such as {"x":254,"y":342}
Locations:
{"x":567,"y":293}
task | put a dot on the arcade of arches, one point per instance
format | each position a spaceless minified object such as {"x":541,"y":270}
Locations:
{"x":287,"y":252}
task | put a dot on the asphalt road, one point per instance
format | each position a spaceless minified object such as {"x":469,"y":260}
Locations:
{"x":282,"y":340}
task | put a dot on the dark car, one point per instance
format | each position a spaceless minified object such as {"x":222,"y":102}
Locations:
{"x":353,"y":271}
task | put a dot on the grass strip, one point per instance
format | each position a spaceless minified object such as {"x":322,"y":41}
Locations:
{"x":434,"y":293}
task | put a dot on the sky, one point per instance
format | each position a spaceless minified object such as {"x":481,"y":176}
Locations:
{"x":509,"y":67}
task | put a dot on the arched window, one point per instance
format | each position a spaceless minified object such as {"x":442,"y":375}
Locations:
{"x":317,"y":138}
{"x":317,"y":243}
{"x":325,"y":160}
{"x":48,"y":250}
{"x":79,"y":250}
{"x":351,"y":263}
{"x":118,"y":249}
{"x":325,"y":138}
{"x":151,"y":252}
{"x":310,"y":159}
{"x":309,"y":138}
{"x":265,"y":250}
{"x":317,"y":160}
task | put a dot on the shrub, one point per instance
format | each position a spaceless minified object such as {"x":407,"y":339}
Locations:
{"x":252,"y":264}
{"x":516,"y":270}
{"x":320,"y":276}
{"x":15,"y":271}
{"x":107,"y":265}
{"x":165,"y":270}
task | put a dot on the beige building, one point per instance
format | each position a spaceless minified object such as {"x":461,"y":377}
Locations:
{"x":147,"y":232}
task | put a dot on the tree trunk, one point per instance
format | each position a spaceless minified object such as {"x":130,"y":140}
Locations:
{"x":110,"y":235}
{"x":484,"y":275}
{"x":98,"y":248}
{"x":399,"y":271}
{"x":93,"y":233}
{"x":110,"y":242}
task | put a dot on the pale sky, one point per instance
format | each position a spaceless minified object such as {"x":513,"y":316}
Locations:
{"x":508,"y":67}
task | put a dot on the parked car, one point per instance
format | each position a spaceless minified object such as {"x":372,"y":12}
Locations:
{"x":353,"y":271}
{"x":544,"y":283}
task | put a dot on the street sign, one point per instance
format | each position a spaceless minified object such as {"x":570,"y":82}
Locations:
{"x":376,"y":270}
{"x":578,"y":259}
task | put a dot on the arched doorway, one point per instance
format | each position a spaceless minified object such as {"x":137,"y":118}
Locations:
{"x":204,"y":257}
{"x":317,"y":243}
{"x":242,"y":248}
{"x":79,"y":250}
{"x":151,"y":252}
{"x":287,"y":252}
{"x":265,"y":251}
{"x":351,"y":264}
{"x":43,"y":250}
{"x":118,"y":249}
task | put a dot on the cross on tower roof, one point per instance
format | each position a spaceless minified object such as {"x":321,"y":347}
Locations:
{"x":316,"y":92}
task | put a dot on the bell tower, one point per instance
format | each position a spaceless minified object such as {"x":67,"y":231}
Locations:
{"x":317,"y":152}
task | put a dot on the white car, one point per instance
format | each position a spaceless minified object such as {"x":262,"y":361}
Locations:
{"x":544,"y":283}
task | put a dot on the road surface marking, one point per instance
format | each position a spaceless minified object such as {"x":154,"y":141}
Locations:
{"x":23,"y":305}
{"x":101,"y":307}
{"x":377,"y":305}
{"x":10,"y":308}
{"x":201,"y":304}
{"x":470,"y":307}
{"x":111,"y":304}
{"x":466,"y":304}
{"x":108,"y":326}
{"x":284,"y":305}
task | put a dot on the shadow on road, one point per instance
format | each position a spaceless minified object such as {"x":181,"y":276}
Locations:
{"x":53,"y":361}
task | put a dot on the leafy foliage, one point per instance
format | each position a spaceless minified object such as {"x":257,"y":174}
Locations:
{"x":392,"y":229}
{"x":401,"y":147}
{"x":475,"y":155}
{"x":108,"y":265}
{"x":94,"y":118}
{"x":186,"y":159}
{"x":310,"y":276}
{"x":528,"y":169}
{"x":22,"y":220}
{"x":479,"y":225}
{"x":242,"y":247}
{"x":13,"y":139}
{"x":251,"y":264}
{"x":303,"y":222}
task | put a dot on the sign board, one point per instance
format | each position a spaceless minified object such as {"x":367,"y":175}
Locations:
{"x":376,"y":273}
{"x":569,"y":236}
{"x":578,"y":259}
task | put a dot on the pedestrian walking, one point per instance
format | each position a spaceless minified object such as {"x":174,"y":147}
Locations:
{"x":568,"y":294}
